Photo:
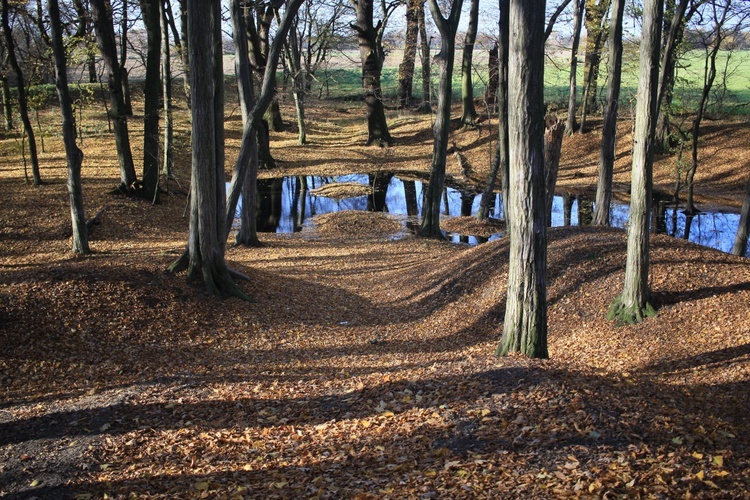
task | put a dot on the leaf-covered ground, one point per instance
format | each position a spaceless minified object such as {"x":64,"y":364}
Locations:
{"x":363,"y":368}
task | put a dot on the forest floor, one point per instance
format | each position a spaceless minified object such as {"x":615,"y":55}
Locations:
{"x":364,"y":366}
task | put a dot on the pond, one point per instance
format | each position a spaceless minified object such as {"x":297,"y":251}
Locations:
{"x":285,"y":204}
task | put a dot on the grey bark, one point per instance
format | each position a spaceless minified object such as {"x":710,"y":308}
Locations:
{"x":424,"y":56}
{"x":500,"y":161}
{"x":743,"y":229}
{"x":632,"y":306}
{"x":23,"y":109}
{"x":105,"y":37}
{"x":166,"y":72}
{"x":124,"y":58}
{"x":406,"y":68}
{"x":73,"y":154}
{"x":553,"y":136}
{"x":525,"y":325}
{"x":596,"y":35}
{"x":579,"y":7}
{"x":441,"y":129}
{"x":469,"y":114}
{"x":151,"y":19}
{"x":7,"y":107}
{"x":609,"y":130}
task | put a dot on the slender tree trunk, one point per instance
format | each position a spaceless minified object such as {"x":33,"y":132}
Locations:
{"x":406,"y":68}
{"x":166,"y":70}
{"x":743,"y":229}
{"x":124,"y":75}
{"x":609,"y":131}
{"x":596,"y":13}
{"x":185,"y":50}
{"x":632,"y":306}
{"x":424,"y":56}
{"x":553,"y":136}
{"x":151,"y":19}
{"x":73,"y":154}
{"x":469,"y":114}
{"x":105,"y":36}
{"x":22,"y":103}
{"x":441,"y":129}
{"x":7,"y":107}
{"x":525,"y":326}
{"x":500,"y":162}
{"x":579,"y":7}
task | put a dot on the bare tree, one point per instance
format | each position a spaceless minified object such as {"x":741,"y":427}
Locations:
{"x":596,"y":36}
{"x":406,"y":68}
{"x":469,"y":114}
{"x":525,"y":325}
{"x":632,"y":306}
{"x":447,"y":27}
{"x":151,"y":18}
{"x":578,"y":8}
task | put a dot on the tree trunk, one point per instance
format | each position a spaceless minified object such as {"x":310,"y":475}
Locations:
{"x":166,"y":70}
{"x":372,"y":64}
{"x":124,"y":59}
{"x":22,"y":103}
{"x":553,"y":136}
{"x":406,"y":68}
{"x":105,"y":36}
{"x":434,"y":190}
{"x":204,"y":259}
{"x":150,"y":9}
{"x":185,"y":50}
{"x":525,"y":326}
{"x":596,"y":13}
{"x":500,"y":162}
{"x":7,"y":107}
{"x":743,"y":229}
{"x":579,"y":7}
{"x":73,"y":154}
{"x":424,"y":56}
{"x":469,"y":114}
{"x":609,"y":131}
{"x":633,"y":306}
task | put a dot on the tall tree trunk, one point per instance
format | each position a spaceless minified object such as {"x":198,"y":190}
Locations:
{"x":151,"y":19}
{"x":434,"y":190}
{"x":424,"y":56}
{"x":500,"y":162}
{"x":406,"y":68}
{"x":553,"y":136}
{"x":743,"y":229}
{"x":525,"y":325}
{"x":609,"y":131}
{"x":579,"y":7}
{"x":166,"y":71}
{"x":73,"y":154}
{"x":105,"y":36}
{"x":7,"y":107}
{"x":469,"y":114}
{"x":596,"y":13}
{"x":204,"y":258}
{"x":185,"y":50}
{"x":124,"y":75}
{"x":372,"y":64}
{"x":633,"y":306}
{"x":22,"y":102}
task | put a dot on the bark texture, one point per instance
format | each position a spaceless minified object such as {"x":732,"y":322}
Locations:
{"x":578,"y":8}
{"x":553,"y":136}
{"x":151,"y":19}
{"x":406,"y":68}
{"x":740,"y":240}
{"x":525,"y":325}
{"x":469,"y":112}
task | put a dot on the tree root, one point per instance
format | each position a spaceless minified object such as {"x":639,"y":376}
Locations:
{"x":623,"y":315}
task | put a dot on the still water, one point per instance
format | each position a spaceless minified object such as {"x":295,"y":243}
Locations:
{"x":286,"y":204}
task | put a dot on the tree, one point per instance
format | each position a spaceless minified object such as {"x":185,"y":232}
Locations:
{"x":124,"y":27}
{"x":73,"y":154}
{"x":105,"y":37}
{"x":5,"y":89}
{"x":632,"y":306}
{"x":371,"y":55}
{"x":406,"y":68}
{"x":204,"y":257}
{"x":424,"y":56}
{"x":469,"y":115}
{"x":743,"y":229}
{"x":596,"y":34}
{"x":609,"y":130}
{"x":500,"y":159}
{"x":10,"y":46}
{"x":293,"y":64}
{"x":166,"y":71}
{"x":447,"y":27}
{"x":525,"y":325}
{"x":151,"y":18}
{"x":578,"y":9}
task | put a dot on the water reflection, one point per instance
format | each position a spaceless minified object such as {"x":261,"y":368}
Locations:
{"x":286,"y":203}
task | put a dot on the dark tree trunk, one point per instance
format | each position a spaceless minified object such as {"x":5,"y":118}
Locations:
{"x":372,"y":64}
{"x":124,"y":59}
{"x":376,"y":200}
{"x":424,"y":56}
{"x":166,"y":70}
{"x":73,"y":154}
{"x":579,"y":7}
{"x":500,"y":162}
{"x":553,"y":136}
{"x":441,"y":129}
{"x":204,"y":259}
{"x":632,"y":306}
{"x":609,"y":131}
{"x":105,"y":36}
{"x":469,"y":114}
{"x":22,"y":103}
{"x":150,"y":9}
{"x":7,"y":107}
{"x":525,"y":325}
{"x":596,"y":12}
{"x":410,"y":195}
{"x":185,"y":50}
{"x":406,"y":68}
{"x":743,"y":229}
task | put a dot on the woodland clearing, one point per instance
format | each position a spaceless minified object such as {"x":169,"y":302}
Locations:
{"x":364,"y":367}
